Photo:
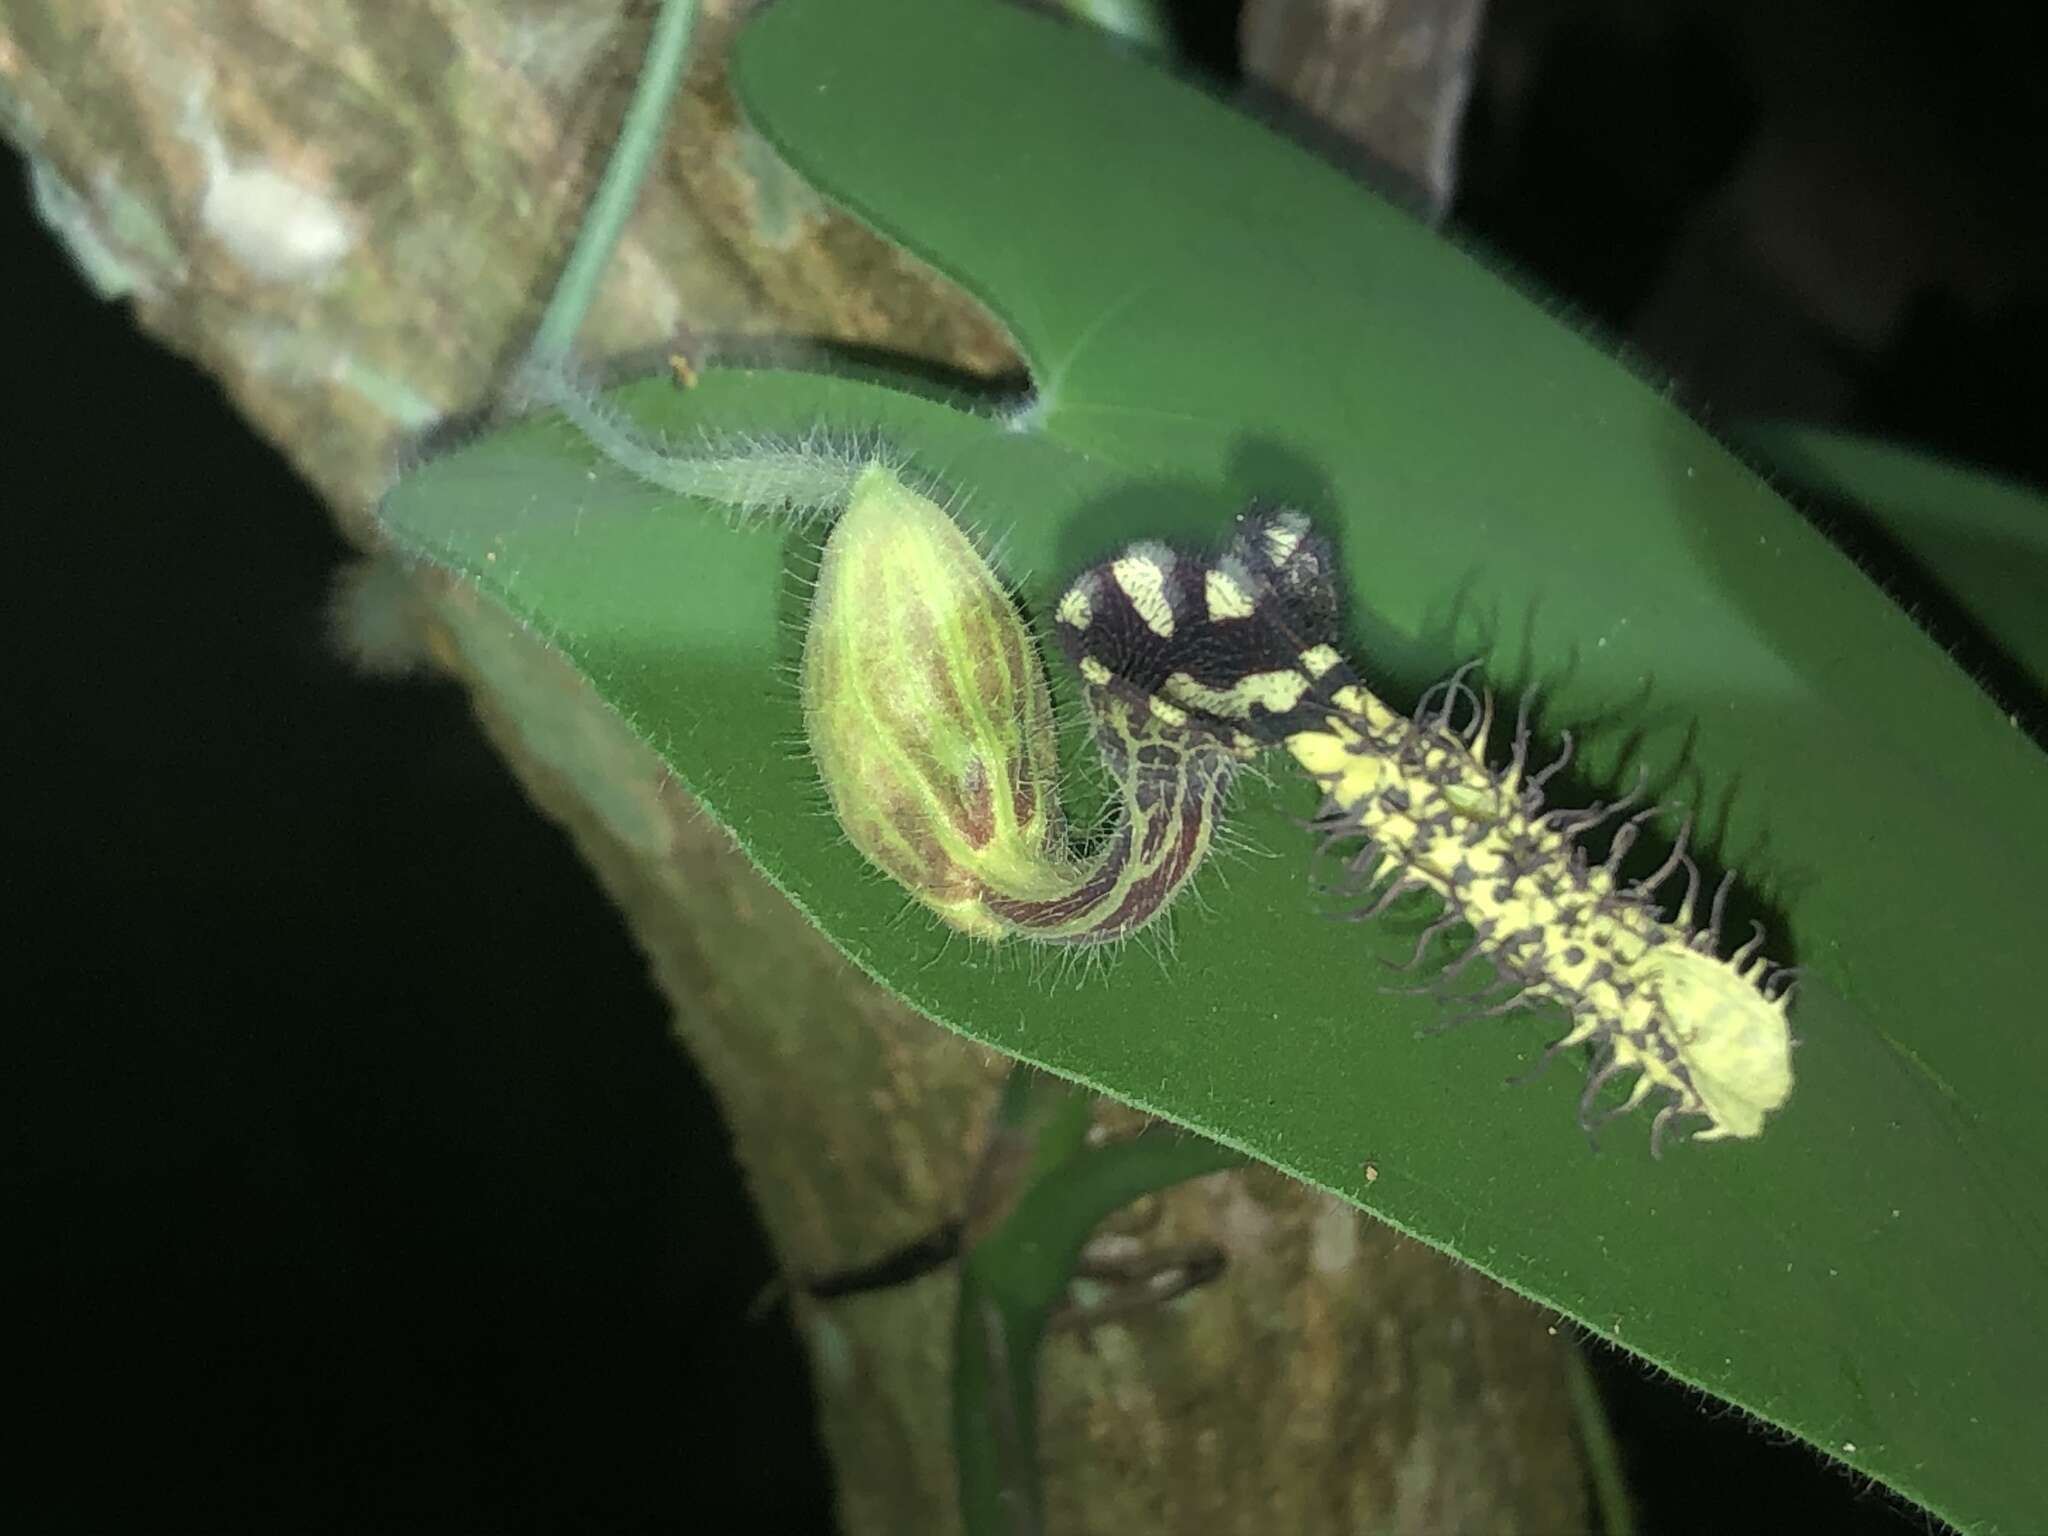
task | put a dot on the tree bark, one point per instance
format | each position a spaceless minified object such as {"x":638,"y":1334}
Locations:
{"x":351,"y":215}
{"x":1390,"y":77}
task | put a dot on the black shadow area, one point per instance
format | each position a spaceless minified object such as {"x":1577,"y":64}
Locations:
{"x":354,"y":1182}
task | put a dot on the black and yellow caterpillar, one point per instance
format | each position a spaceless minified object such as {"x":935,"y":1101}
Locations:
{"x":1243,"y":647}
{"x":931,"y":722}
{"x":927,"y":713}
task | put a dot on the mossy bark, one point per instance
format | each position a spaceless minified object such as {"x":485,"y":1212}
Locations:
{"x":350,"y":216}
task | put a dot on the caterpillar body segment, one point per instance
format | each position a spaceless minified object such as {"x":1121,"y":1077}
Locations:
{"x":1241,"y":649}
{"x":1171,"y":786}
{"x":1220,"y":643}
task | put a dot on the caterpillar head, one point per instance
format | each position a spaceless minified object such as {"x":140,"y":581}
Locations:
{"x":1220,"y":641}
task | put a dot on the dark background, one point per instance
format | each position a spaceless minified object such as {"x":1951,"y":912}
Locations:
{"x":355,"y":1183}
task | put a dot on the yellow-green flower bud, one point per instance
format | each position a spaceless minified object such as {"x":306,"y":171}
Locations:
{"x":927,"y":710}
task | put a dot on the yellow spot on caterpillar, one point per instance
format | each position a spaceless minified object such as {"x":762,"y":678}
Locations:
{"x":1075,"y":608}
{"x":1478,"y":802}
{"x":1276,"y":692}
{"x":1318,"y":659}
{"x":1283,"y":538}
{"x":1226,"y":599}
{"x":1354,"y":700}
{"x":1168,"y":713}
{"x":1327,"y":753}
{"x":1143,"y":579}
{"x":1094,"y":671}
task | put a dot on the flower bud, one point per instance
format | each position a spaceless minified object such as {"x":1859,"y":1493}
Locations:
{"x":927,"y":710}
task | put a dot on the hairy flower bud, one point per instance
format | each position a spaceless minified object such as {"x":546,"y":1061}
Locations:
{"x":927,"y":710}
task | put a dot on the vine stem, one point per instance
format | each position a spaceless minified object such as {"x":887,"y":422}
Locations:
{"x":661,"y":71}
{"x":1053,"y":1190}
{"x":1604,"y":1470}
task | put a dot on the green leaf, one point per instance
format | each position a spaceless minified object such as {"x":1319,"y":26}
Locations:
{"x":1980,"y":540}
{"x":1213,"y":315}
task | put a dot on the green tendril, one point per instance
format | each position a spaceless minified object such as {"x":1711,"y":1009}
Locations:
{"x":661,"y":70}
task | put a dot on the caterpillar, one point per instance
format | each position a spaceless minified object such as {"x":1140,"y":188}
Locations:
{"x":928,"y":714}
{"x":1242,"y":648}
